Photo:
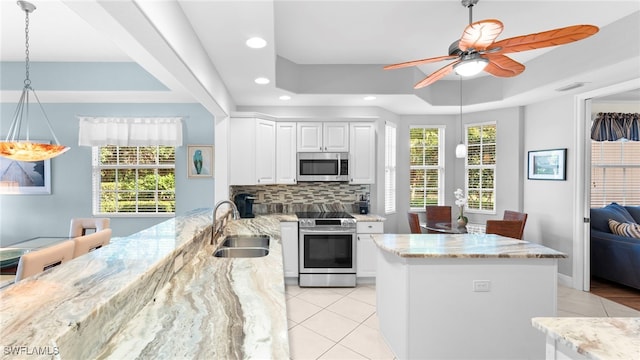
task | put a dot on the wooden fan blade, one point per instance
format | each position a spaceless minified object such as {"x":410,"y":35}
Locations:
{"x":544,"y":39}
{"x":420,"y":62}
{"x":480,"y":34}
{"x":503,"y":66}
{"x":436,"y":75}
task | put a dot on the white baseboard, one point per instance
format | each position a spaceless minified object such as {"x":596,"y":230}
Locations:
{"x":565,"y":280}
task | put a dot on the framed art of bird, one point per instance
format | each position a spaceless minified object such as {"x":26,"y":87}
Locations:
{"x":200,"y":161}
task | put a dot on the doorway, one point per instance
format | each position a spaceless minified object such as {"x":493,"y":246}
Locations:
{"x":585,"y":105}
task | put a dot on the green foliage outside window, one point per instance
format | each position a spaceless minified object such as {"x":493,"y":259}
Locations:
{"x":136,"y":179}
{"x":481,"y":163}
{"x":425,"y":168}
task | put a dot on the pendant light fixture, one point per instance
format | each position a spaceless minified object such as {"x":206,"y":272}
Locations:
{"x":27,"y":150}
{"x":461,"y":149}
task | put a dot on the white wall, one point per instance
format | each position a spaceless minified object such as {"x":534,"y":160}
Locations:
{"x":550,"y":125}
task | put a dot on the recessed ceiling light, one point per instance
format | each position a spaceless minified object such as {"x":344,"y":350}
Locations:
{"x":262,"y":80}
{"x":369,"y":98}
{"x":256,"y":43}
{"x":285,"y":97}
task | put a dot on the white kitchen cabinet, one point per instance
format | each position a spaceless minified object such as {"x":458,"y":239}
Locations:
{"x":285,"y":153}
{"x":362,"y":153}
{"x":252,"y":151}
{"x":265,"y":151}
{"x":323,"y":136}
{"x":335,"y":136}
{"x":289,"y":236}
{"x":366,"y":248}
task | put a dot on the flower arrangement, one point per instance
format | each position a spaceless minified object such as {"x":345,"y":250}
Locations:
{"x":461,"y":201}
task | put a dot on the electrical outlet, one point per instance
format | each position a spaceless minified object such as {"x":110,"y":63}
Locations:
{"x":481,"y":285}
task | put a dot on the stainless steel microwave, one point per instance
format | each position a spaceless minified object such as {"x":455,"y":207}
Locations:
{"x":323,"y":166}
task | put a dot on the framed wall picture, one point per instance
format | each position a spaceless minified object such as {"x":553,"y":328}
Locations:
{"x":547,"y":164}
{"x":25,"y":177}
{"x":200,"y":161}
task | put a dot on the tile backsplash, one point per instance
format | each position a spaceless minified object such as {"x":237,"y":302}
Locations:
{"x":304,"y":196}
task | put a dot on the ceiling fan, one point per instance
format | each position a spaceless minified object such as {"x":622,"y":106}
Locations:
{"x":477,"y":49}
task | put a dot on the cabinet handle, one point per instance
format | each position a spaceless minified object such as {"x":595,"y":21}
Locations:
{"x":370,"y":226}
{"x":358,"y":238}
{"x":320,"y":148}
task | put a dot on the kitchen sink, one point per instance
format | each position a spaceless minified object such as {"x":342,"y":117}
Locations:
{"x":237,"y":252}
{"x":243,"y":241}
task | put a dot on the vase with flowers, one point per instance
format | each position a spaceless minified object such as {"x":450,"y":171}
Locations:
{"x":461,"y":200}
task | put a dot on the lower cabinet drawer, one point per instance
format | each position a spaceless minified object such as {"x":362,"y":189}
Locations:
{"x":370,"y":227}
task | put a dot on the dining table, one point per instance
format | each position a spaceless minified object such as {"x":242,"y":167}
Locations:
{"x":444,"y":227}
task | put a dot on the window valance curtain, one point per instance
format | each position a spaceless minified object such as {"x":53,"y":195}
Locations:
{"x":141,"y":131}
{"x":615,"y":126}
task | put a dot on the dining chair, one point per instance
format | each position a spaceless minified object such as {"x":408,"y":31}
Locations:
{"x":90,"y":242}
{"x":437,"y":214}
{"x":508,"y":228}
{"x":79,"y":226}
{"x":514,"y":215}
{"x":414,"y":223}
{"x":37,"y":261}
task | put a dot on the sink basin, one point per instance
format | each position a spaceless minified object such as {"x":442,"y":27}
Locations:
{"x":231,"y":252}
{"x":236,"y":241}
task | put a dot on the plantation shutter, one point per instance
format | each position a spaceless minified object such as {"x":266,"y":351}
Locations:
{"x":390,"y":168}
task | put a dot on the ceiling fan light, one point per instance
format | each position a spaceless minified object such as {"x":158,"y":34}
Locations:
{"x":470,"y":67}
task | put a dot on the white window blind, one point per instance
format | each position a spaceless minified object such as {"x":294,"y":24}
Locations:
{"x":615,"y":173}
{"x":426,"y":166}
{"x":481,"y":167}
{"x":132,"y":180}
{"x":390,"y":168}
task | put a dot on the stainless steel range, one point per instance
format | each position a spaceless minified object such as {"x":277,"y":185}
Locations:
{"x":327,"y":243}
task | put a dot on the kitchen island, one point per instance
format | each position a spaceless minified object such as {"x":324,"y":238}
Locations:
{"x":155,"y":294}
{"x":464,"y":296}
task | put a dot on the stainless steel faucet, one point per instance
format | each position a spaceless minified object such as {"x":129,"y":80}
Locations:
{"x":236,"y":215}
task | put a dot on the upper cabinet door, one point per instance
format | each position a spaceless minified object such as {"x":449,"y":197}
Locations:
{"x":285,"y":153}
{"x":309,"y":136}
{"x":336,"y":137}
{"x":265,"y":156}
{"x":362,"y":156}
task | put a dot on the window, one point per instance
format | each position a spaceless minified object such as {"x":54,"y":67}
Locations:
{"x":481,"y":167}
{"x":426,"y":168}
{"x":615,"y":173}
{"x":134,"y":180}
{"x":390,"y":168}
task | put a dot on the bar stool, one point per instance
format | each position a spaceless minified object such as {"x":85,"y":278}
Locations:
{"x":79,"y":226}
{"x":90,"y":242}
{"x":37,"y":261}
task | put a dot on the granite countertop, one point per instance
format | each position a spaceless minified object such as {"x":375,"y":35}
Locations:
{"x":595,"y":338}
{"x":461,"y":246}
{"x":227,"y":308}
{"x":146,"y":294}
{"x":368,"y":217}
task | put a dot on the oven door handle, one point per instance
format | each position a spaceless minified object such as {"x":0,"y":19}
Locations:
{"x":306,"y":231}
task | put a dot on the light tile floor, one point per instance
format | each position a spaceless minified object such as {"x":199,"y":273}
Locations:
{"x":341,"y":323}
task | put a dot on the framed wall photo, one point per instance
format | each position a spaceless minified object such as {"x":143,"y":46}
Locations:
{"x":25,"y":177}
{"x":200,"y":161}
{"x":547,"y":164}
